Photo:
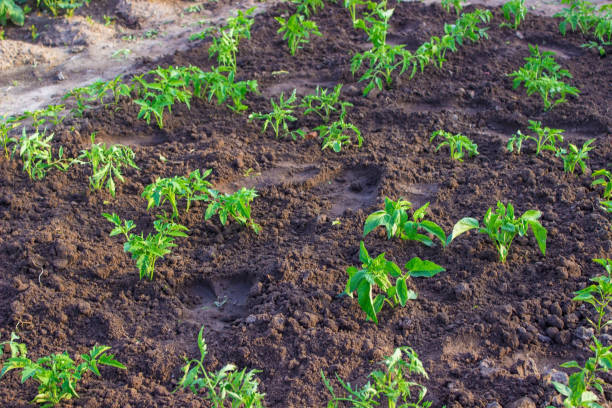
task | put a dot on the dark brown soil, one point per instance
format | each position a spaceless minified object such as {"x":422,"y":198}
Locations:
{"x":481,"y":328}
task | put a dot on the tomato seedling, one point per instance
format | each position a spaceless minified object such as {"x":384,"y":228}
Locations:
{"x":545,"y":139}
{"x":35,"y":152}
{"x":297,"y":31}
{"x":514,"y":12}
{"x":279,"y":118}
{"x":379,"y":272}
{"x":458,"y":144}
{"x":338,"y":134}
{"x":324,"y":102}
{"x":576,"y":156}
{"x":236,"y":205}
{"x":502,"y":227}
{"x":456,"y":4}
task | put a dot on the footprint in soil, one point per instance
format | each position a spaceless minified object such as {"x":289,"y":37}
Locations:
{"x":418,"y":194}
{"x":219,"y":303}
{"x":351,"y":189}
{"x":284,"y":172}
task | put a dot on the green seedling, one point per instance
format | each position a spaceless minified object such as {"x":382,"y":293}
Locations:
{"x":224,"y":388}
{"x":297,"y":31}
{"x":392,"y":384}
{"x":598,"y":295}
{"x":35,"y":152}
{"x":466,"y":27}
{"x":34,"y":32}
{"x":338,"y":134}
{"x":236,"y":206}
{"x":576,"y":156}
{"x":514,"y":12}
{"x":220,"y":83}
{"x":279,"y":118}
{"x":170,"y":85}
{"x":543,"y":75}
{"x":308,"y":7}
{"x":545,"y":139}
{"x":57,"y":375}
{"x":225,"y":44}
{"x":106,"y":164}
{"x":66,"y":6}
{"x":352,"y":5}
{"x":502,"y":227}
{"x":459,"y":145}
{"x":146,"y":251}
{"x":456,"y":4}
{"x":378,"y":272}
{"x":9,"y":11}
{"x":7,"y":124}
{"x":395,"y":220}
{"x":191,"y":188}
{"x":602,"y":175}
{"x":324,"y":102}
{"x":584,"y":16}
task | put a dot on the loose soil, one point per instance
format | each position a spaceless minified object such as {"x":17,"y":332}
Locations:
{"x":486,"y":332}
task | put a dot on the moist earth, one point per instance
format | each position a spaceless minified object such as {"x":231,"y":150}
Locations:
{"x":486,"y":332}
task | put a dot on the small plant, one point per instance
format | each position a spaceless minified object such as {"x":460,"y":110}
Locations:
{"x":543,"y":75}
{"x":106,"y":163}
{"x":236,"y":205}
{"x":584,"y":16}
{"x":458,"y":144}
{"x":67,"y":6}
{"x":297,"y":31}
{"x":392,"y":384}
{"x":57,"y":375}
{"x":395,"y":220}
{"x":378,"y":272}
{"x":227,"y":384}
{"x":34,"y":32}
{"x":514,"y":12}
{"x":191,"y":188}
{"x":324,"y":103}
{"x":223,"y":87}
{"x":7,"y":124}
{"x":546,"y":139}
{"x":602,"y":175}
{"x":502,"y":227}
{"x":146,"y":251}
{"x":598,"y":295}
{"x":9,"y":11}
{"x":225,"y":45}
{"x":338,"y":134}
{"x":352,"y":5}
{"x":576,"y":156}
{"x":282,"y":113}
{"x":35,"y":152}
{"x":308,"y":7}
{"x":456,"y":4}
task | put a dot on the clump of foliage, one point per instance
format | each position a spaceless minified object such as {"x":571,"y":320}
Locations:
{"x":226,"y":386}
{"x":541,"y":74}
{"x":514,"y":12}
{"x":545,"y":139}
{"x":502,"y":226}
{"x":9,"y":11}
{"x":604,"y":178}
{"x":7,"y":124}
{"x":37,"y":156}
{"x":324,"y":102}
{"x":66,"y":6}
{"x":221,"y":84}
{"x":279,"y":118}
{"x":458,"y":144}
{"x":576,"y":156}
{"x":308,"y":7}
{"x":146,"y":251}
{"x":339,"y":133}
{"x":585,"y":16}
{"x":578,"y":392}
{"x":41,"y":116}
{"x":297,"y":30}
{"x":392,"y":384}
{"x":396,"y":221}
{"x":352,"y":5}
{"x":57,"y":375}
{"x":379,"y":272}
{"x":456,"y":4}
{"x":236,"y":205}
{"x":106,"y":164}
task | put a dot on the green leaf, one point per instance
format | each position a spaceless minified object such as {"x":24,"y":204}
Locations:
{"x":402,"y":291}
{"x":540,"y":234}
{"x":463,"y":225}
{"x":417,"y":267}
{"x":374,"y":220}
{"x":364,"y":296}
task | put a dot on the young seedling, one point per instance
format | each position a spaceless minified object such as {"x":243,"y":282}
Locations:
{"x":584,"y":16}
{"x":338,"y":134}
{"x":603,"y":174}
{"x":545,"y":139}
{"x":395,"y":220}
{"x":236,"y":205}
{"x":378,"y":272}
{"x":392,"y":384}
{"x":282,"y":113}
{"x":456,"y":4}
{"x":324,"y":103}
{"x":7,"y":124}
{"x":220,"y":83}
{"x":543,"y":75}
{"x":225,"y":44}
{"x":67,"y":6}
{"x":297,"y":31}
{"x":502,"y":227}
{"x":106,"y":163}
{"x":308,"y":7}
{"x":146,"y":251}
{"x":458,"y":144}
{"x":224,"y":388}
{"x":35,"y":152}
{"x":352,"y":5}
{"x":466,"y":27}
{"x":576,"y":156}
{"x":57,"y":375}
{"x":514,"y":12}
{"x":598,"y":295}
